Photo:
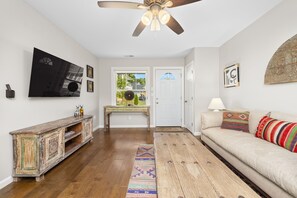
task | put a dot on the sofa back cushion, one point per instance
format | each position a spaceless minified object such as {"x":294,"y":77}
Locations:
{"x":282,"y":133}
{"x":236,"y":121}
{"x":283,"y":116}
{"x":254,"y":119}
{"x":211,"y":119}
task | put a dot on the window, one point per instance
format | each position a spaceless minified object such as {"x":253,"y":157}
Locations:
{"x":129,"y":80}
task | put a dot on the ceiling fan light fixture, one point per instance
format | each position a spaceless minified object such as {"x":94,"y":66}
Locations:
{"x":147,"y":17}
{"x":155,"y":26}
{"x":164,"y":16}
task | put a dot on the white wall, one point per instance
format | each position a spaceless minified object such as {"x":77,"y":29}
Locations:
{"x":22,"y":28}
{"x":206,"y":68}
{"x":105,"y":65}
{"x":253,"y":48}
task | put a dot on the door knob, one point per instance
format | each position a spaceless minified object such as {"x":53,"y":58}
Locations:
{"x":157,"y":103}
{"x":186,"y":101}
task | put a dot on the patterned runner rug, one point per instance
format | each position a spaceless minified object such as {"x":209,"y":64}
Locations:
{"x":143,"y":178}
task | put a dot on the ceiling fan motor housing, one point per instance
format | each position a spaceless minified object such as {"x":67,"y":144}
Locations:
{"x":150,"y":2}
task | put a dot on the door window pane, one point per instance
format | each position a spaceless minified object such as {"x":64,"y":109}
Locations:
{"x":168,"y":76}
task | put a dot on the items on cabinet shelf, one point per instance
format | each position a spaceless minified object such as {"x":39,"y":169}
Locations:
{"x":79,"y":111}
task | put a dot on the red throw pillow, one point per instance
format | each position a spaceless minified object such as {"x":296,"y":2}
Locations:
{"x":279,"y":132}
{"x":236,"y":121}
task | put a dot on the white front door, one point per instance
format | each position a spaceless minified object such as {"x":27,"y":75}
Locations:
{"x":168,"y":97}
{"x":189,"y":98}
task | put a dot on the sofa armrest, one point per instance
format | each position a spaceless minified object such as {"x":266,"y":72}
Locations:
{"x":211,"y":119}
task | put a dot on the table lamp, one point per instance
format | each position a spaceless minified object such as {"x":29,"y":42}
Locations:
{"x":216,"y":104}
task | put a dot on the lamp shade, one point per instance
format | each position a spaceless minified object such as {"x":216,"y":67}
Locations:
{"x":147,"y":18}
{"x":216,"y":104}
{"x":164,"y":17}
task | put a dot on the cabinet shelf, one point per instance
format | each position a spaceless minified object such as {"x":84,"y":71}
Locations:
{"x":71,"y":149}
{"x":72,"y":136}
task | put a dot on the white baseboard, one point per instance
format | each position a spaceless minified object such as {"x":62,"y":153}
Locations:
{"x":5,"y":182}
{"x":126,"y":126}
{"x":96,"y":128}
{"x":197,"y":133}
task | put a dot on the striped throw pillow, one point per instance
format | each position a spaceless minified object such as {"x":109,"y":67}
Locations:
{"x":236,"y":121}
{"x":279,"y":132}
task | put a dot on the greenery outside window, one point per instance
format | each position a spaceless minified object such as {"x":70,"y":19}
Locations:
{"x":133,"y":81}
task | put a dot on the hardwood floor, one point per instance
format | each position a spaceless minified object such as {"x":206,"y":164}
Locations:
{"x":99,"y":169}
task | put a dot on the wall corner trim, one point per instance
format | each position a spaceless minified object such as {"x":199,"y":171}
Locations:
{"x":5,"y":182}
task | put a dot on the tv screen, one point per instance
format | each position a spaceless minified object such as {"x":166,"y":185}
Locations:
{"x":54,"y":77}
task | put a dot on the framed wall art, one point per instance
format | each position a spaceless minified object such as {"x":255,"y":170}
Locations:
{"x":90,"y":86}
{"x":231,"y":76}
{"x":90,"y":71}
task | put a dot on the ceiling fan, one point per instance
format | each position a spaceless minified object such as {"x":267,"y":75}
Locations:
{"x":156,"y":13}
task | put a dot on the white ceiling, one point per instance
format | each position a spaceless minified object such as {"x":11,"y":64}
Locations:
{"x":107,"y":33}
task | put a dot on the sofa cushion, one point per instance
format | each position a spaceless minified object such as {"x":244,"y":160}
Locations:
{"x":272,"y":161}
{"x":211,"y":119}
{"x":236,"y":121}
{"x":254,"y":119}
{"x":283,"y":116}
{"x":279,"y":132}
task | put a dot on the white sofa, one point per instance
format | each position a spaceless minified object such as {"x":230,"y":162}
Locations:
{"x":269,"y":166}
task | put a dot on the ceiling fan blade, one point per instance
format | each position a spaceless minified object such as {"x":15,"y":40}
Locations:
{"x":175,"y":26}
{"x":177,"y":3}
{"x":140,"y":27}
{"x":120,"y":4}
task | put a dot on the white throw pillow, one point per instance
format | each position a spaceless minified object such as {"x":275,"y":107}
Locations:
{"x":211,"y":119}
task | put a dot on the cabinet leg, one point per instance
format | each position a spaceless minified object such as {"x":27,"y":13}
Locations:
{"x":40,"y":178}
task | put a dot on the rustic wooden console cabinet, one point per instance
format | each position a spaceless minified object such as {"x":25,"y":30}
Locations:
{"x":39,"y":148}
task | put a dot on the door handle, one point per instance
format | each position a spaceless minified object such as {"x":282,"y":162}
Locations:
{"x":186,"y":101}
{"x":157,"y":103}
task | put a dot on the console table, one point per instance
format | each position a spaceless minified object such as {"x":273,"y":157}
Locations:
{"x":125,"y":109}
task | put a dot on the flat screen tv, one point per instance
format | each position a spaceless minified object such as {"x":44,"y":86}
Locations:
{"x":54,"y":77}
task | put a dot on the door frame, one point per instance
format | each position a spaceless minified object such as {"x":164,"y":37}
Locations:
{"x":181,"y":68}
{"x":193,"y":92}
